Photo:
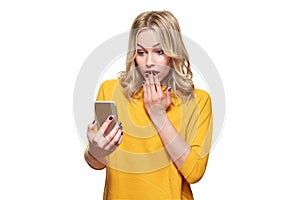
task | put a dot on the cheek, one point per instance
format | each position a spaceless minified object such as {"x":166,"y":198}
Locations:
{"x":139,"y":64}
{"x":138,"y":61}
{"x":164,"y":72}
{"x":165,"y":61}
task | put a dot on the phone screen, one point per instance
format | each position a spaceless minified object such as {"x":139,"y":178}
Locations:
{"x":103,"y":109}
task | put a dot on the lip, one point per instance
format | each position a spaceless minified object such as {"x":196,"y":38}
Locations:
{"x":151,"y":71}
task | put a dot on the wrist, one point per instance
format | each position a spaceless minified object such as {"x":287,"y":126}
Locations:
{"x":94,"y":162}
{"x":158,"y":116}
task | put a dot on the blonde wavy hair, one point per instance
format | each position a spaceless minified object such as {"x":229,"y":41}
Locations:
{"x":167,"y":27}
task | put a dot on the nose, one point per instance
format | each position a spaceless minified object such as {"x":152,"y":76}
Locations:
{"x":149,"y":61}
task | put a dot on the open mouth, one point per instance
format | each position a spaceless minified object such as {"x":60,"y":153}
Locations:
{"x":151,"y":72}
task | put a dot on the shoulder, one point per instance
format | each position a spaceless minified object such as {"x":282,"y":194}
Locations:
{"x":107,"y":89}
{"x":201,"y":94}
{"x":110,"y":83}
{"x":203,"y":101}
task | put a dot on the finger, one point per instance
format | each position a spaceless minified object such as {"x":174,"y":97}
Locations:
{"x":114,"y":143}
{"x":169,"y":99}
{"x":91,"y":127}
{"x":145,"y":90}
{"x":113,"y":133}
{"x":106,"y":124}
{"x":120,"y":140}
{"x":147,"y":86}
{"x":157,"y":84}
{"x":152,"y":86}
{"x":117,"y":137}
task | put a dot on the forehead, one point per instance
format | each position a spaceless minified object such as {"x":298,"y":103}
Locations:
{"x":148,"y":38}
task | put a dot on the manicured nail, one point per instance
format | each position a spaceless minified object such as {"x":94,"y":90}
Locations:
{"x":110,"y":118}
{"x":93,"y":122}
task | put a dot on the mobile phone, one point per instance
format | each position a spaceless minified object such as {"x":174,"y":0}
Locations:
{"x":103,"y":109}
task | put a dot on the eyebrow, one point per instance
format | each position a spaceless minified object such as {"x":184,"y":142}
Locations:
{"x":145,"y":48}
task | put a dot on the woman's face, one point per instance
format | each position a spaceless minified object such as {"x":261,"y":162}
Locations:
{"x":150,"y":57}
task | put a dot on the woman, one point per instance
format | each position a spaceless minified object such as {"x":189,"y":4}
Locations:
{"x":163,"y":143}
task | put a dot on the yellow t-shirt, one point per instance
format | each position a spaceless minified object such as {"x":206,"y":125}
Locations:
{"x":140,"y":167}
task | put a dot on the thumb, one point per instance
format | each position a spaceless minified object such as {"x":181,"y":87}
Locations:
{"x":92,"y":126}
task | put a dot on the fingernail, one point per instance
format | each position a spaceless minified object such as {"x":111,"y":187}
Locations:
{"x":110,"y":118}
{"x":93,"y":122}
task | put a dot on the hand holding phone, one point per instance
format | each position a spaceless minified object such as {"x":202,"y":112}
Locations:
{"x":104,"y":143}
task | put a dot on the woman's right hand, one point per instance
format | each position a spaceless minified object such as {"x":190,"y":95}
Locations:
{"x":100,"y":145}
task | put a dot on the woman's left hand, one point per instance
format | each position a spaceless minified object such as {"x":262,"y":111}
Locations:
{"x":155,"y":102}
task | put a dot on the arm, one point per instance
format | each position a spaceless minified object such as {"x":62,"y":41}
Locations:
{"x":100,"y":146}
{"x":175,"y":145}
{"x":190,"y":159}
{"x":200,"y":125}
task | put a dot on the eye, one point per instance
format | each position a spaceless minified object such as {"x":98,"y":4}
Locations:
{"x":160,"y":52}
{"x":140,"y":52}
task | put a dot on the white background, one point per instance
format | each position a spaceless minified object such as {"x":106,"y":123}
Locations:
{"x":254,"y":44}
